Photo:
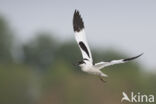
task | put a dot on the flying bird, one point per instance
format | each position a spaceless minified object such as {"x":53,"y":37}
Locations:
{"x":86,"y":64}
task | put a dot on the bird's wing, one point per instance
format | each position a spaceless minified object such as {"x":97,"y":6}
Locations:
{"x":80,"y":36}
{"x":104,"y":64}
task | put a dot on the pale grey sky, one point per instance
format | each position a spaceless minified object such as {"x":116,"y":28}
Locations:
{"x":127,"y":24}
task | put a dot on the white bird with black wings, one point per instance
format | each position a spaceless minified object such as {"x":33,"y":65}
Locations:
{"x":87,"y":64}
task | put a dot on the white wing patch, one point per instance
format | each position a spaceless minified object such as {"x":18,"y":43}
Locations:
{"x":81,"y":37}
{"x":81,"y":40}
{"x":101,"y":65}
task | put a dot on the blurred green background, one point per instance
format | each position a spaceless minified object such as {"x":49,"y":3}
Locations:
{"x":40,"y":71}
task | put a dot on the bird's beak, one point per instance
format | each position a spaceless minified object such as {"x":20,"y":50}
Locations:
{"x":75,"y":64}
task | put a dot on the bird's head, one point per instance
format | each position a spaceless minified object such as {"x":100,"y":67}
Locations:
{"x":81,"y":64}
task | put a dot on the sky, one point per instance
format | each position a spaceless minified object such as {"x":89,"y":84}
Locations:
{"x":125,"y":25}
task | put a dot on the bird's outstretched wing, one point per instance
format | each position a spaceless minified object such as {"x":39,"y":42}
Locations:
{"x":100,"y":65}
{"x":81,"y":37}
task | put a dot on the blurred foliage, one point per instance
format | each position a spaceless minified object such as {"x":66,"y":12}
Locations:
{"x":5,"y":41}
{"x":46,"y":75}
{"x":39,"y":52}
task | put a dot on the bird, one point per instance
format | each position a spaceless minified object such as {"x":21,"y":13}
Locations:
{"x":86,"y":64}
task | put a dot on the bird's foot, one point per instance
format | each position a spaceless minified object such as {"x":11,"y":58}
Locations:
{"x":102,"y":80}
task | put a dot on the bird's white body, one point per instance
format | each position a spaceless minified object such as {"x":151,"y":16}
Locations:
{"x":93,"y":70}
{"x":96,"y":68}
{"x":87,"y":64}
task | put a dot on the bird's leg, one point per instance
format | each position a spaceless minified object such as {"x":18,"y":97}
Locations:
{"x":101,"y":78}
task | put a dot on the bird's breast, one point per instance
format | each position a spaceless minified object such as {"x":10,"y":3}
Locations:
{"x":90,"y":70}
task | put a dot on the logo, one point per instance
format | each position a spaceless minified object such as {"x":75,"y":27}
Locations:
{"x":138,"y":97}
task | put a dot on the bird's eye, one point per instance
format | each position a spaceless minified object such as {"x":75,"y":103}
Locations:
{"x":81,"y":62}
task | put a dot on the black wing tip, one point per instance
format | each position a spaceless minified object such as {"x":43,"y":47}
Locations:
{"x":132,"y":58}
{"x":77,"y":21}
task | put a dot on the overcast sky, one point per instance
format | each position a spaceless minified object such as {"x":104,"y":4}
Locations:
{"x":127,"y":24}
